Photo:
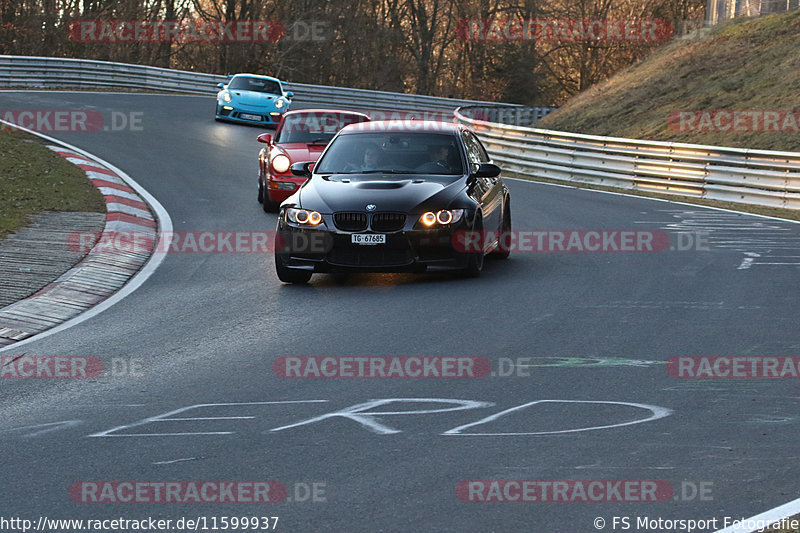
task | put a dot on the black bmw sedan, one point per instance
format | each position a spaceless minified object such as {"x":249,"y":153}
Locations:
{"x":394,"y":196}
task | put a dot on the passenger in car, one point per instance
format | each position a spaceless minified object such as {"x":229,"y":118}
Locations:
{"x":371,"y":159}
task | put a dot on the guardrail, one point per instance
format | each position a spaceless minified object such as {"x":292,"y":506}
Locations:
{"x":758,"y":177}
{"x":47,"y":72}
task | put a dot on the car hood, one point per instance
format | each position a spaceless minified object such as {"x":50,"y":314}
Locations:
{"x":329,"y":194}
{"x":301,"y":151}
{"x":253,"y":98}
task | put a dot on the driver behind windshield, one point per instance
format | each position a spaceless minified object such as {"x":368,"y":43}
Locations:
{"x":439,"y":155}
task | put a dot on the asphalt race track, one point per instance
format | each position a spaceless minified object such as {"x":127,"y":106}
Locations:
{"x":594,"y":327}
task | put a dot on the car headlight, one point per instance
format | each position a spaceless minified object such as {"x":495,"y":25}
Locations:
{"x":226,"y":96}
{"x":303,"y":217}
{"x":281,"y":163}
{"x":279,"y":103}
{"x":441,"y":218}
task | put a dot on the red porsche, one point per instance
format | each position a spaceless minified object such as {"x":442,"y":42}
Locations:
{"x":302,"y":135}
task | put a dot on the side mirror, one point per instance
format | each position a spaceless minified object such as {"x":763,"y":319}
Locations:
{"x":485,"y":170}
{"x":221,"y":85}
{"x":289,"y":94}
{"x":302,"y":169}
{"x":265,"y":138}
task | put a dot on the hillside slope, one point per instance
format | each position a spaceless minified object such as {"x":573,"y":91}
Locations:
{"x":743,"y":65}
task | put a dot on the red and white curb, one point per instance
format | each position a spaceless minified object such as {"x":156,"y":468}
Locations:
{"x":127,"y":211}
{"x":100,"y":279}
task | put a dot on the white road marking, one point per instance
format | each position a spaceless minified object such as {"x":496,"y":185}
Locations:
{"x":737,"y":236}
{"x":365,"y":415}
{"x":747,"y":262}
{"x":657,"y":412}
{"x":164,"y":418}
{"x":357,"y":413}
{"x":755,"y":238}
{"x":47,"y":428}
{"x":175,"y":461}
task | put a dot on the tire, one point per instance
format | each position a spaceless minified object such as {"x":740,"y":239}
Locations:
{"x":499,"y":253}
{"x":268,"y":205}
{"x":260,"y":192}
{"x":288,"y":275}
{"x":475,"y":259}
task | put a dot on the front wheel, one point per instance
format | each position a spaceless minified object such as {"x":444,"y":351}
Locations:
{"x":475,"y":259}
{"x":502,"y":252}
{"x":288,"y":275}
{"x":268,"y":205}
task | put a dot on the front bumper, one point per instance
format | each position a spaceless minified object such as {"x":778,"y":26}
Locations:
{"x":233,"y":113}
{"x":331,"y":250}
{"x":278,"y":187}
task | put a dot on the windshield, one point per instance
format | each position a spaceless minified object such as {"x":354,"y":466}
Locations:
{"x":260,"y":85}
{"x":393,"y":153}
{"x":314,"y":127}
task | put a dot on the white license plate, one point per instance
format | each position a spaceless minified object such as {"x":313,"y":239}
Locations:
{"x":245,"y":116}
{"x":368,"y":238}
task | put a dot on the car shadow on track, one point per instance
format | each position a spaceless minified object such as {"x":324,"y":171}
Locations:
{"x":493,"y":269}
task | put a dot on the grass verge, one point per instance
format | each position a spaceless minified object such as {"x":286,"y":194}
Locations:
{"x":743,"y":64}
{"x":33,"y":178}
